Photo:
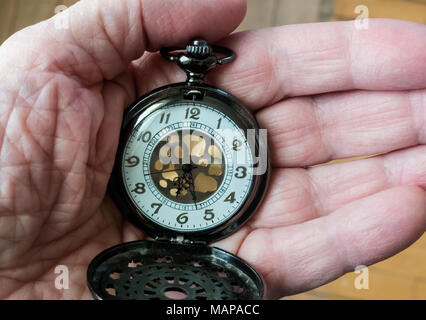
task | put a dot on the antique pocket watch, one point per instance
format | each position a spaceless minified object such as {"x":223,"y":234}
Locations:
{"x":185,"y":174}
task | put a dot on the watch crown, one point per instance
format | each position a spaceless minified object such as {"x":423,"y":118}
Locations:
{"x":199,"y":49}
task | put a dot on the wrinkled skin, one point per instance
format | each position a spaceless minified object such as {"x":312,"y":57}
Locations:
{"x":324,"y":92}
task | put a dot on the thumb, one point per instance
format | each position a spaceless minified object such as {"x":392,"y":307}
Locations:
{"x":99,"y":38}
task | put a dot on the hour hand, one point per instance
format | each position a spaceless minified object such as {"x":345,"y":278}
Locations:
{"x":191,"y":189}
{"x":187,"y":169}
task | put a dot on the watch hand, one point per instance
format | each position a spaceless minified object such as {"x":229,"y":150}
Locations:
{"x":178,"y":184}
{"x":191,"y":189}
{"x":158,"y":172}
{"x":165,"y":171}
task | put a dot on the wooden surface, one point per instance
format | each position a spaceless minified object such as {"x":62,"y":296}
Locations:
{"x":400,"y":277}
{"x":396,"y":9}
{"x":267,"y":13}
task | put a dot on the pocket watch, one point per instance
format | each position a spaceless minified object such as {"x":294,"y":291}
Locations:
{"x":191,"y":168}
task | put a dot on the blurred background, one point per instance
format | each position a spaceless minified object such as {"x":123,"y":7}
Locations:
{"x":400,"y":277}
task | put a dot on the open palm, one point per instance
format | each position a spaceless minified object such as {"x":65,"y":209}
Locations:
{"x":63,"y":93}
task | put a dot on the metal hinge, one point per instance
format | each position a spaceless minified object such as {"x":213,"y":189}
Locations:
{"x":180,"y":239}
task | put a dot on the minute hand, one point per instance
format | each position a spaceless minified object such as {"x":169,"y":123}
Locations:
{"x":191,"y":189}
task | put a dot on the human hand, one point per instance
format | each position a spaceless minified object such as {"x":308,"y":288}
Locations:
{"x":63,"y":93}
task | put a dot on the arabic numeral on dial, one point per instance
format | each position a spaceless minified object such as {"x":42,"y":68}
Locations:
{"x":139,"y":188}
{"x":165,"y":117}
{"x":145,"y":136}
{"x":193,"y":113}
{"x":208,"y":215}
{"x":219,"y":122}
{"x":230,"y":198}
{"x":157,"y":206}
{"x":241,"y":173}
{"x":182,"y":218}
{"x":236,"y":145}
{"x":132,"y":162}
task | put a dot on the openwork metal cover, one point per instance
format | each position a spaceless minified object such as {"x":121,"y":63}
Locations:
{"x":147,"y":270}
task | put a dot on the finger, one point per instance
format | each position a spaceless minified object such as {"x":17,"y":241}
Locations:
{"x":308,"y":131}
{"x":305,"y":256}
{"x":100,"y":37}
{"x":310,"y":59}
{"x":299,"y":195}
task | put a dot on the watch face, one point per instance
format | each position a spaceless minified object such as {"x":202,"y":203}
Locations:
{"x":187,"y":167}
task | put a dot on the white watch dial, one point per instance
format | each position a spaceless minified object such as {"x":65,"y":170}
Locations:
{"x":187,"y":167}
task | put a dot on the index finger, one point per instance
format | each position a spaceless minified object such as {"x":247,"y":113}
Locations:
{"x":97,"y":39}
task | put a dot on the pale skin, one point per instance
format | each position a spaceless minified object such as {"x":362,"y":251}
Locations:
{"x":324,"y":91}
